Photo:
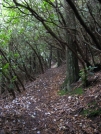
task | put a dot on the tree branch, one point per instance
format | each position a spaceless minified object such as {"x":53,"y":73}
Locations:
{"x":83,"y":23}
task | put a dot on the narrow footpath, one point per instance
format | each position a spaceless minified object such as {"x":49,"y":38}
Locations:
{"x":41,"y":110}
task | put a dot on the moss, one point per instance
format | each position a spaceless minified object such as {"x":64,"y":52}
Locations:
{"x":78,"y":91}
{"x":62,"y":92}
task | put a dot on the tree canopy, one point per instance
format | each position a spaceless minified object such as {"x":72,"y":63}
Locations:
{"x":35,"y":33}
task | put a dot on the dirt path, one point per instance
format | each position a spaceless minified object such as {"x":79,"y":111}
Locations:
{"x":40,"y":110}
{"x":33,"y":111}
{"x":42,"y":99}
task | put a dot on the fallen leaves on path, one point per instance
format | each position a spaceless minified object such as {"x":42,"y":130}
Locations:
{"x":40,"y":110}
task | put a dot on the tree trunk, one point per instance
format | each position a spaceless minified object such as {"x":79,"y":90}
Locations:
{"x":87,"y":29}
{"x":58,"y":58}
{"x":71,"y":59}
{"x":50,"y":56}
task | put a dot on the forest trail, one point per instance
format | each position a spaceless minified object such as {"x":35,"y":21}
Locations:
{"x":40,"y":110}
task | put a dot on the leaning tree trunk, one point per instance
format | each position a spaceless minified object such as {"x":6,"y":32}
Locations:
{"x":71,"y":59}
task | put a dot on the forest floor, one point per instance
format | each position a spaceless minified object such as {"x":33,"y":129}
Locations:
{"x":41,"y":110}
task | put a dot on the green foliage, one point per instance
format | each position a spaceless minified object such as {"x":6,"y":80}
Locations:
{"x":84,"y":73}
{"x":77,"y":91}
{"x":14,"y":79}
{"x":62,"y":92}
{"x":94,"y":113}
{"x":5,"y":68}
{"x":92,"y":110}
{"x":90,"y":113}
{"x":16,"y":55}
{"x":17,"y":30}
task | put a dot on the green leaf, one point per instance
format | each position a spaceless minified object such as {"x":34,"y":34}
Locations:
{"x":16,"y":55}
{"x":14,"y":78}
{"x":6,"y":66}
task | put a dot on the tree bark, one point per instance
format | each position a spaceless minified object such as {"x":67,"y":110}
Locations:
{"x":70,"y":2}
{"x":72,"y":61}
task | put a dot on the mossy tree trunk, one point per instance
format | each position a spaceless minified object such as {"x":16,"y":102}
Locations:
{"x":71,"y":60}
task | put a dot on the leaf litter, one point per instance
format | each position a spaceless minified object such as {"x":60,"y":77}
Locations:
{"x":41,"y":110}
